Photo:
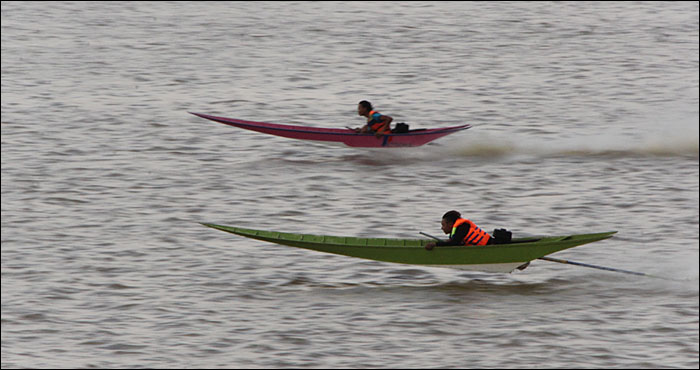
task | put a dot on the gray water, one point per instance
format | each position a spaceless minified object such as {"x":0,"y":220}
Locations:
{"x":585,"y":119}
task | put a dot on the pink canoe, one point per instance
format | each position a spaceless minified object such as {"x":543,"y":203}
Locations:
{"x":345,"y":136}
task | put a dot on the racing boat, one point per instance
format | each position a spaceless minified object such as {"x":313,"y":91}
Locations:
{"x":345,"y":136}
{"x":488,"y":258}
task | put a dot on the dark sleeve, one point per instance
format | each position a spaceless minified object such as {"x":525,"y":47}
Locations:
{"x":457,"y":238}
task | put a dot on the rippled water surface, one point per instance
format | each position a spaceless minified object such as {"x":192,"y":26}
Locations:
{"x":585,"y":119}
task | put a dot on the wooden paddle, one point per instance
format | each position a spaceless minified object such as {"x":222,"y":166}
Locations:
{"x":604,"y":268}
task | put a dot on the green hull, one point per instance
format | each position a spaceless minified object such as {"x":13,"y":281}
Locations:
{"x":491,"y":258}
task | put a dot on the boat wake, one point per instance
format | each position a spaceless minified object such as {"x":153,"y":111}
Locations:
{"x":491,"y":146}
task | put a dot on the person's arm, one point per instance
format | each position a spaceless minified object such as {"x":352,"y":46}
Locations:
{"x":455,"y":240}
{"x":386,"y":124}
{"x":386,"y":120}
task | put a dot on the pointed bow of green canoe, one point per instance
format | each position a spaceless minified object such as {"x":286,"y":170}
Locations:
{"x":500,"y":258}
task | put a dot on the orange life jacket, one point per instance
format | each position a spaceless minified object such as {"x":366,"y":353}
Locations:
{"x":475,"y":236}
{"x":378,"y":127}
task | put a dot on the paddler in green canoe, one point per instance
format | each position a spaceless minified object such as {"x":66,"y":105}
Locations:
{"x":377,"y":123}
{"x":461,"y":232}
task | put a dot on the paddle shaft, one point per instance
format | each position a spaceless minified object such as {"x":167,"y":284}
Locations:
{"x":430,"y":236}
{"x":593,"y":266}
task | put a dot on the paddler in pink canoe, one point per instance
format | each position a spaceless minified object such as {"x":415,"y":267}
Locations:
{"x":377,"y":123}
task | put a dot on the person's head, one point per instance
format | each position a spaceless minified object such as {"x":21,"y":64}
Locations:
{"x":448,"y":221}
{"x":363,"y":108}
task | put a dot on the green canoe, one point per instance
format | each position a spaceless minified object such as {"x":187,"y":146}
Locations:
{"x":489,"y":258}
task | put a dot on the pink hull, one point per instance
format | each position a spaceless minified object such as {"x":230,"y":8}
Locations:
{"x":345,"y":136}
